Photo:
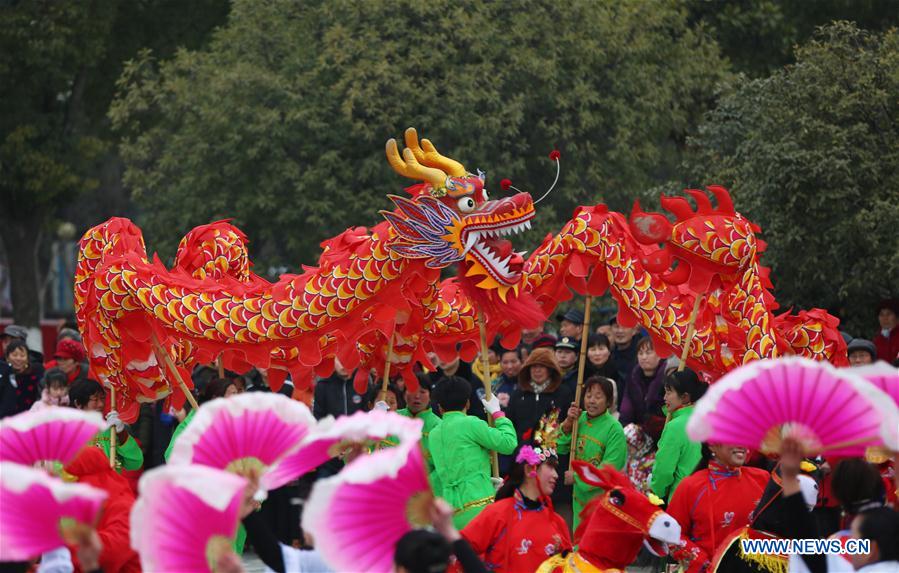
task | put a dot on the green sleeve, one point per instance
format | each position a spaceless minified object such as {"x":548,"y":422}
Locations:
{"x":563,"y":445}
{"x":616,"y":448}
{"x":666,"y":463}
{"x":178,"y":429}
{"x":501,"y":438}
{"x":130,"y":454}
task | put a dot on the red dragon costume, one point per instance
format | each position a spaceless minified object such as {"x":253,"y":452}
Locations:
{"x":371,"y":286}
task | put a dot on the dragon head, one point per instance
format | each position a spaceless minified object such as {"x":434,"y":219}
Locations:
{"x":450,"y":218}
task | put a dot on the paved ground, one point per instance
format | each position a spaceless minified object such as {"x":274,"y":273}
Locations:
{"x":254,"y":565}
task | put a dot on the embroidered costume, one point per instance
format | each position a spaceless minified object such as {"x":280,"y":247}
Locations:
{"x":710,"y":505}
{"x":600,"y":441}
{"x":517,"y":534}
{"x":460,"y":448}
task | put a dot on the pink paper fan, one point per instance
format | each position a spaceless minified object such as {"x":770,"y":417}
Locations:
{"x":357,"y":516}
{"x":37,"y":510}
{"x":185,"y":517}
{"x":251,"y":430}
{"x":51,"y":434}
{"x":831,"y":410}
{"x":330,"y":436}
{"x":882,"y":375}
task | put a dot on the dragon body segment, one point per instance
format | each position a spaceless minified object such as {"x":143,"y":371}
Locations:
{"x":377,"y":295}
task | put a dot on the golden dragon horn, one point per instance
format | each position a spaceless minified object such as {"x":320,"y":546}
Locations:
{"x":408,"y":166}
{"x":430,"y":157}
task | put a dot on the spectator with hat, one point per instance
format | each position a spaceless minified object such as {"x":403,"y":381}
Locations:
{"x":16,"y":332}
{"x":70,"y":358}
{"x":571,"y":323}
{"x":861,"y":352}
{"x":887,"y":340}
{"x":540,"y":390}
{"x":566,"y":354}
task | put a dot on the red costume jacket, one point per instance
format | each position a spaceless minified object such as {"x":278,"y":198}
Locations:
{"x":91,"y":467}
{"x":711,"y":504}
{"x":513,"y":535}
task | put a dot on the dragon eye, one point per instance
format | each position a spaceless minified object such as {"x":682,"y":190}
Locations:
{"x":466,"y":204}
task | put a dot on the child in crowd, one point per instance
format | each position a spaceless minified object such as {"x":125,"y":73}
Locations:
{"x":600,"y":438}
{"x":641,"y":456}
{"x":460,"y":448}
{"x":677,"y":455}
{"x":55,"y":392}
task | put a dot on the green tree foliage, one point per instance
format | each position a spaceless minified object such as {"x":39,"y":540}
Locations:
{"x":281,"y":122}
{"x":812,"y":154}
{"x":58,"y":65}
{"x":758,"y":36}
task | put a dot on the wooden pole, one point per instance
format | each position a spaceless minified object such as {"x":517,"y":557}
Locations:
{"x":488,"y":389}
{"x":112,"y":433}
{"x":691,"y":331}
{"x":582,"y":363}
{"x":386,"y":381}
{"x":162,"y":353}
{"x":220,"y":364}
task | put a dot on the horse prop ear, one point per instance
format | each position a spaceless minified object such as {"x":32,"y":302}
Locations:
{"x":588,"y":474}
{"x":606,"y":477}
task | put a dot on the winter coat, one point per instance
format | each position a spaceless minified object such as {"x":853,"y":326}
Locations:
{"x":643,"y":400}
{"x":26,"y":386}
{"x":335,"y":396}
{"x":887,"y":346}
{"x":526,"y":407}
{"x":47,"y":402}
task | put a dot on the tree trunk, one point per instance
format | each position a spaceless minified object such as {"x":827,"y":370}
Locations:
{"x":21,"y":238}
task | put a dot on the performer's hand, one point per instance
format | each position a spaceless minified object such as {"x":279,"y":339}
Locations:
{"x":791,"y":453}
{"x":229,"y":562}
{"x":88,"y":548}
{"x":442,"y":519}
{"x":112,"y":418}
{"x":249,"y":503}
{"x":491,"y":405}
{"x":574,"y":412}
{"x":569,"y":477}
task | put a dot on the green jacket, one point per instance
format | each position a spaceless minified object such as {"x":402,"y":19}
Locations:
{"x":128,"y":454}
{"x":241,"y":537}
{"x":600,"y":441}
{"x":460,"y":447}
{"x":677,"y":456}
{"x":431,"y":421}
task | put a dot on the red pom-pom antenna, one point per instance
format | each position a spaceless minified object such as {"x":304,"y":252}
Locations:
{"x":505,"y":184}
{"x":555,"y":155}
